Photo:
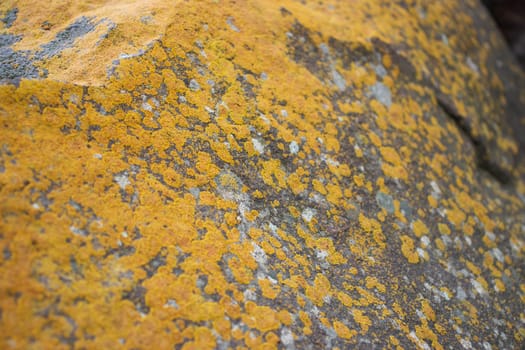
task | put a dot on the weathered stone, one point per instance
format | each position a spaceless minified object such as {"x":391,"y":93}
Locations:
{"x":260,"y":174}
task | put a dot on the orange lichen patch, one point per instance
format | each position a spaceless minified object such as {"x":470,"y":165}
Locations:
{"x":359,"y":180}
{"x":295,"y":184}
{"x":320,"y":291}
{"x":367,"y":298}
{"x":373,"y":227}
{"x":396,"y":172}
{"x":272,"y":173}
{"x":456,"y":216}
{"x":394,"y":166}
{"x":363,"y":321}
{"x":327,"y":245}
{"x":424,"y":332}
{"x":285,"y":317}
{"x":440,"y":244}
{"x":443,"y":229}
{"x":241,"y":273}
{"x":408,"y":249}
{"x":499,"y":286}
{"x":262,"y":318}
{"x":319,"y":186}
{"x":490,"y":264}
{"x":428,"y":311}
{"x":345,"y":299}
{"x":339,"y":170}
{"x":376,"y":140}
{"x":419,"y":228}
{"x":269,"y":290}
{"x":483,"y":283}
{"x":127,"y":30}
{"x":305,"y":319}
{"x":343,"y":331}
{"x":372,"y":282}
{"x":473,"y":268}
{"x":390,"y":155}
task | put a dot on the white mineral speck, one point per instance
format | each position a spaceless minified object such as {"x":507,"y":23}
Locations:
{"x":444,"y":294}
{"x":146,"y":106}
{"x":194,"y":85}
{"x":308,"y":214}
{"x":382,"y":93}
{"x":472,"y":65}
{"x":420,"y":314}
{"x":249,"y":295}
{"x":258,"y":254}
{"x":77,"y":231}
{"x":339,"y":81}
{"x":294,"y":147}
{"x":287,"y":338}
{"x":498,"y":254}
{"x":324,"y":48}
{"x":264,"y":118}
{"x":444,"y":39}
{"x":122,"y":180}
{"x":321,"y":254}
{"x":418,"y":341}
{"x":466,"y":344}
{"x":446,"y":240}
{"x":171,"y":303}
{"x":259,"y":147}
{"x":460,"y":293}
{"x":479,"y":288}
{"x":435,"y":187}
{"x":229,"y":21}
{"x":380,"y":70}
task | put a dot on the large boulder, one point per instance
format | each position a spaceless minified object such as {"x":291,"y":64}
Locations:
{"x":260,"y":174}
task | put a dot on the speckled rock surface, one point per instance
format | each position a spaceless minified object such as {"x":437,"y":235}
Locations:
{"x":259,"y":174}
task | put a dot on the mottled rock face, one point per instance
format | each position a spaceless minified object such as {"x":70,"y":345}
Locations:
{"x":260,"y":175}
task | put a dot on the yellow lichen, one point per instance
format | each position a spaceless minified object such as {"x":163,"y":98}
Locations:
{"x":343,"y":331}
{"x":407,"y":248}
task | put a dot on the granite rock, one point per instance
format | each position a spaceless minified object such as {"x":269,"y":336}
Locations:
{"x":260,"y":174}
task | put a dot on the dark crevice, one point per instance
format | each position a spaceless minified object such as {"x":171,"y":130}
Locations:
{"x":509,"y":15}
{"x":482,"y":158}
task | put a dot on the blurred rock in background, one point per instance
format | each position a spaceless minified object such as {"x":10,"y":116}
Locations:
{"x":510,"y":17}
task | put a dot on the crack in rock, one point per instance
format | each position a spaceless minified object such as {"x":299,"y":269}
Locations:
{"x":483,"y":160}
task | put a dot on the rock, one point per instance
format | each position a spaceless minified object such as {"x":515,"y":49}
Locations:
{"x":510,"y":17}
{"x":260,"y":175}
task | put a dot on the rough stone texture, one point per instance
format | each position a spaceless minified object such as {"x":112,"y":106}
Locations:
{"x":260,"y":174}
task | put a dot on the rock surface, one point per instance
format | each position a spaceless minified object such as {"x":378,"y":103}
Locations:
{"x":257,"y":174}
